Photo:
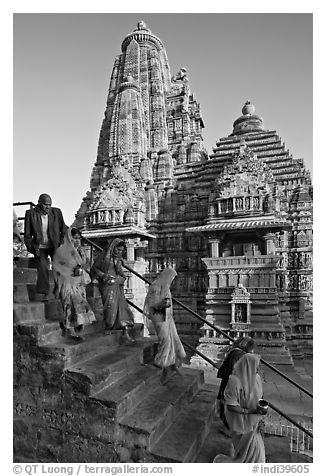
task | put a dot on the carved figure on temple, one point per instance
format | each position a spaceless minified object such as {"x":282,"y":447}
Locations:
{"x":243,"y":413}
{"x":71,"y":277}
{"x":240,"y":314}
{"x":256,"y":203}
{"x":158,"y":309}
{"x":268,"y":204}
{"x":107,"y":270}
{"x":180,"y":76}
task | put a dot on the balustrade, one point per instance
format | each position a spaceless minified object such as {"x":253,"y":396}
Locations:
{"x":231,"y":261}
{"x":237,"y":204}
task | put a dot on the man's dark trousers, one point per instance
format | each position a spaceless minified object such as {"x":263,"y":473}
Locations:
{"x":42,"y":265}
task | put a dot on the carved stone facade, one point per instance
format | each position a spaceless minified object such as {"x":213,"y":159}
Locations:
{"x":240,"y":217}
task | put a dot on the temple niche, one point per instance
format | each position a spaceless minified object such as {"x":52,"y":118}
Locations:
{"x":237,"y":219}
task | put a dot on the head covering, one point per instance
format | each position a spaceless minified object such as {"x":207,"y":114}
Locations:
{"x":245,"y":369}
{"x":66,"y":258}
{"x":244,"y":343}
{"x":158,"y":291}
{"x":111,"y":246}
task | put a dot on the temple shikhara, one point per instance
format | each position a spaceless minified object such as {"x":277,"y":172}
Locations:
{"x":235,"y":224}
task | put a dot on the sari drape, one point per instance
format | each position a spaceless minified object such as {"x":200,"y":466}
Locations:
{"x":69,"y":288}
{"x":116,"y":311}
{"x":170,"y":349}
{"x":244,"y":389}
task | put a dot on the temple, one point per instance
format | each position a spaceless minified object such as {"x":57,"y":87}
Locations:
{"x":236,"y":225}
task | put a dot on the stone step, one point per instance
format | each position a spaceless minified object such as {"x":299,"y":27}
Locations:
{"x":32,"y":312}
{"x":277,"y":448}
{"x":94,"y":342}
{"x":51,"y":333}
{"x":24,"y":275}
{"x":78,"y":351}
{"x":38,"y":332}
{"x":93,"y":375}
{"x":146,"y":423}
{"x":26,"y":262}
{"x":128,"y":392}
{"x":216,"y":442}
{"x":183,"y":440}
{"x":20,"y":293}
{"x":53,"y":310}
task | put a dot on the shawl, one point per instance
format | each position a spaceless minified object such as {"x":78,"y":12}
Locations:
{"x":244,"y":388}
{"x":65,"y":260}
{"x":102,"y":262}
{"x":158,"y":291}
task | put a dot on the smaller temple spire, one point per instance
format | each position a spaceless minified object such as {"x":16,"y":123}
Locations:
{"x":249,"y":122}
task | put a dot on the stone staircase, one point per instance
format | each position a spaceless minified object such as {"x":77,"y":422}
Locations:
{"x":100,"y":399}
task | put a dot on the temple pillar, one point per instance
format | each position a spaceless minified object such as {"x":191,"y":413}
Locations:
{"x":219,"y":207}
{"x":214,"y":244}
{"x":269,"y":244}
{"x":232,"y":313}
{"x":249,"y":312}
{"x":130,"y":244}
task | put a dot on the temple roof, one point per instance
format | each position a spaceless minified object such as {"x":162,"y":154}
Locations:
{"x":241,"y":225}
{"x":249,"y":122}
{"x":117,"y":231}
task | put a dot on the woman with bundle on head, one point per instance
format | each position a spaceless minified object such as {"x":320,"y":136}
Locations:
{"x":158,"y":309}
{"x":238,"y":349}
{"x":243,"y":412}
{"x":71,"y":278}
{"x":107,"y":269}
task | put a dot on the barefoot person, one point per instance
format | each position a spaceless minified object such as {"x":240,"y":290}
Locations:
{"x":158,"y":309}
{"x":71,"y":278}
{"x":107,"y":269}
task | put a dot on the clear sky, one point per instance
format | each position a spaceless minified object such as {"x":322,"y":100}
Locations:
{"x":63,"y":64}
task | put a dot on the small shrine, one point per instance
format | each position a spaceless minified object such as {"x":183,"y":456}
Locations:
{"x":240,"y":310}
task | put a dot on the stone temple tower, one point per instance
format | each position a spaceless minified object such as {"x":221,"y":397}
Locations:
{"x":152,"y":123}
{"x":135,"y":116}
{"x":236,"y":225}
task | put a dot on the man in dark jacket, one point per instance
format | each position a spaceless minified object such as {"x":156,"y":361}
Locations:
{"x":43,"y":234}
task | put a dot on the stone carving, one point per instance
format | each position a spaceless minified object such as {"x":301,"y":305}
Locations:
{"x":157,"y":138}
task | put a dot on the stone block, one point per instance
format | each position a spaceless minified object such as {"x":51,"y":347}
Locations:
{"x":20,"y":293}
{"x":53,"y":310}
{"x":28,"y":312}
{"x":24,"y":448}
{"x":24,"y":276}
{"x":81,"y":450}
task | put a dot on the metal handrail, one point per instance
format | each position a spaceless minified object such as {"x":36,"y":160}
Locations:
{"x":293,"y":382}
{"x":276,"y":409}
{"x":17,"y":204}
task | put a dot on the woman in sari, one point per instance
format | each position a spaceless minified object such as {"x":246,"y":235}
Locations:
{"x":158,"y":309}
{"x":107,"y":269}
{"x":71,"y":278}
{"x":236,"y":351}
{"x":243,"y":413}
